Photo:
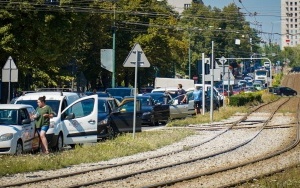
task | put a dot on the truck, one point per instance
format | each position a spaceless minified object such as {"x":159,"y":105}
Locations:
{"x":173,"y":83}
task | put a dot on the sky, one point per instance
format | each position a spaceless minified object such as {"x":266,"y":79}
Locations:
{"x":267,"y":17}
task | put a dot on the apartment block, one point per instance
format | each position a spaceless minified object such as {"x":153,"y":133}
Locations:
{"x":290,"y":23}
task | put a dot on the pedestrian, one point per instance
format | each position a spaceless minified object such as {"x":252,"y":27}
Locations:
{"x":197,"y":94}
{"x":181,"y":94}
{"x":42,"y":118}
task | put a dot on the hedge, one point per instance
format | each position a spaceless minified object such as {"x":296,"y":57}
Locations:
{"x":244,"y":98}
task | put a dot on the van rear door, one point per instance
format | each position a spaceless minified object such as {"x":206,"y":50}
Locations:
{"x":79,"y":121}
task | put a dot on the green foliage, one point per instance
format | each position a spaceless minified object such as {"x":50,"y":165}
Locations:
{"x":245,"y":98}
{"x":53,"y":45}
{"x":277,"y":79}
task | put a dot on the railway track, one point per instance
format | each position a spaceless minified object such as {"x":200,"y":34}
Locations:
{"x":108,"y":174}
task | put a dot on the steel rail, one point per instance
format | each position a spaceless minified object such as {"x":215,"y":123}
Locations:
{"x":235,"y":123}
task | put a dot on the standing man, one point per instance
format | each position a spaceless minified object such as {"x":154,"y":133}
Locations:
{"x":197,"y":94}
{"x":181,"y":94}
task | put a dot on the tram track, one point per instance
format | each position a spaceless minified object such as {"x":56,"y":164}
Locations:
{"x":35,"y":182}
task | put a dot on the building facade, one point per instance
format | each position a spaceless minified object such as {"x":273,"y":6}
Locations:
{"x":290,"y":23}
{"x":181,"y":5}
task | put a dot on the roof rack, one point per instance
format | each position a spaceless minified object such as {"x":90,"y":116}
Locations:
{"x":56,"y":89}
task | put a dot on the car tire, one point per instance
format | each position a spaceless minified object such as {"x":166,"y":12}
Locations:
{"x":111,"y":133}
{"x":19,"y":148}
{"x":154,"y":122}
{"x":60,"y":143}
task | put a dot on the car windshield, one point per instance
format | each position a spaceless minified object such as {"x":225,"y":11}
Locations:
{"x":8,"y":117}
{"x":54,"y":104}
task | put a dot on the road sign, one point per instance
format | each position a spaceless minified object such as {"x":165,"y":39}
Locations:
{"x":136,"y":55}
{"x":222,"y":60}
{"x":106,"y":59}
{"x":10,"y":71}
{"x":10,"y":64}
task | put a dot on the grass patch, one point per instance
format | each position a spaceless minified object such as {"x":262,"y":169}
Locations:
{"x":287,"y":178}
{"x":123,"y":145}
{"x":222,"y":113}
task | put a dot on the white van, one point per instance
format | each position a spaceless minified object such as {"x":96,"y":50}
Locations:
{"x":58,"y":101}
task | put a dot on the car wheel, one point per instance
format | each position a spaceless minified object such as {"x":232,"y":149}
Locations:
{"x":111,"y":134}
{"x":19,"y":148}
{"x":295,"y":94}
{"x":60,"y":143}
{"x":72,"y":146}
{"x":153,"y":122}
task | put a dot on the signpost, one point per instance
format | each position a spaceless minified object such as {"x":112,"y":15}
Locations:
{"x":223,"y":60}
{"x":136,"y":58}
{"x":9,"y":74}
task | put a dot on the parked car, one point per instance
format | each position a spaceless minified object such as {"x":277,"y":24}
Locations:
{"x":93,"y":118}
{"x":242,"y":83}
{"x":182,"y":110}
{"x":99,"y":93}
{"x":248,"y":79}
{"x":58,"y":101}
{"x":160,"y":97}
{"x":120,"y":91}
{"x":153,"y":113}
{"x":284,"y":91}
{"x":17,"y":130}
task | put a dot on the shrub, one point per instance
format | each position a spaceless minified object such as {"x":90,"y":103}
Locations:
{"x":245,"y":98}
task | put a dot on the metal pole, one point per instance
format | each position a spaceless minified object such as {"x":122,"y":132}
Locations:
{"x":135,"y":93}
{"x":228,"y":91}
{"x":203,"y":84}
{"x":113,"y":78}
{"x":212,"y":82}
{"x":223,"y":73}
{"x":189,"y":55}
{"x":8,"y":98}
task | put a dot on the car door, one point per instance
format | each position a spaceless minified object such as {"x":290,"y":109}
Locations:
{"x":79,"y":121}
{"x":122,"y":117}
{"x":178,"y":110}
{"x":28,"y":129}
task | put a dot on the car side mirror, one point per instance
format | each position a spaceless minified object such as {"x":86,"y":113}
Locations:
{"x":70,"y":116}
{"x":26,"y":121}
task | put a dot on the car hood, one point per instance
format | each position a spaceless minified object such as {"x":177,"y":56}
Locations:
{"x":9,"y":129}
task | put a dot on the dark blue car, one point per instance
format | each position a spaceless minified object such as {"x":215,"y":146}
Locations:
{"x":152,"y":113}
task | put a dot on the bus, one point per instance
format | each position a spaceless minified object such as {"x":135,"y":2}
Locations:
{"x":262,"y":74}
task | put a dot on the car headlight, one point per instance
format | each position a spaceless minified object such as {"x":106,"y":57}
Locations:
{"x":7,"y":136}
{"x":102,"y":122}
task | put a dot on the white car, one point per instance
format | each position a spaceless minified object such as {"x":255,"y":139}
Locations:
{"x":17,"y":130}
{"x":58,"y":101}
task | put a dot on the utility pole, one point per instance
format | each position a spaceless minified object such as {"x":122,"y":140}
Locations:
{"x":113,"y":78}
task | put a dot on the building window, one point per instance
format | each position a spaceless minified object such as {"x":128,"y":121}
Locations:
{"x":291,"y":20}
{"x":296,"y":25}
{"x":291,"y":9}
{"x":291,"y":3}
{"x":186,"y":6}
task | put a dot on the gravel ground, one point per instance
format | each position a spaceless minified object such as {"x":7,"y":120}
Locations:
{"x":268,"y":141}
